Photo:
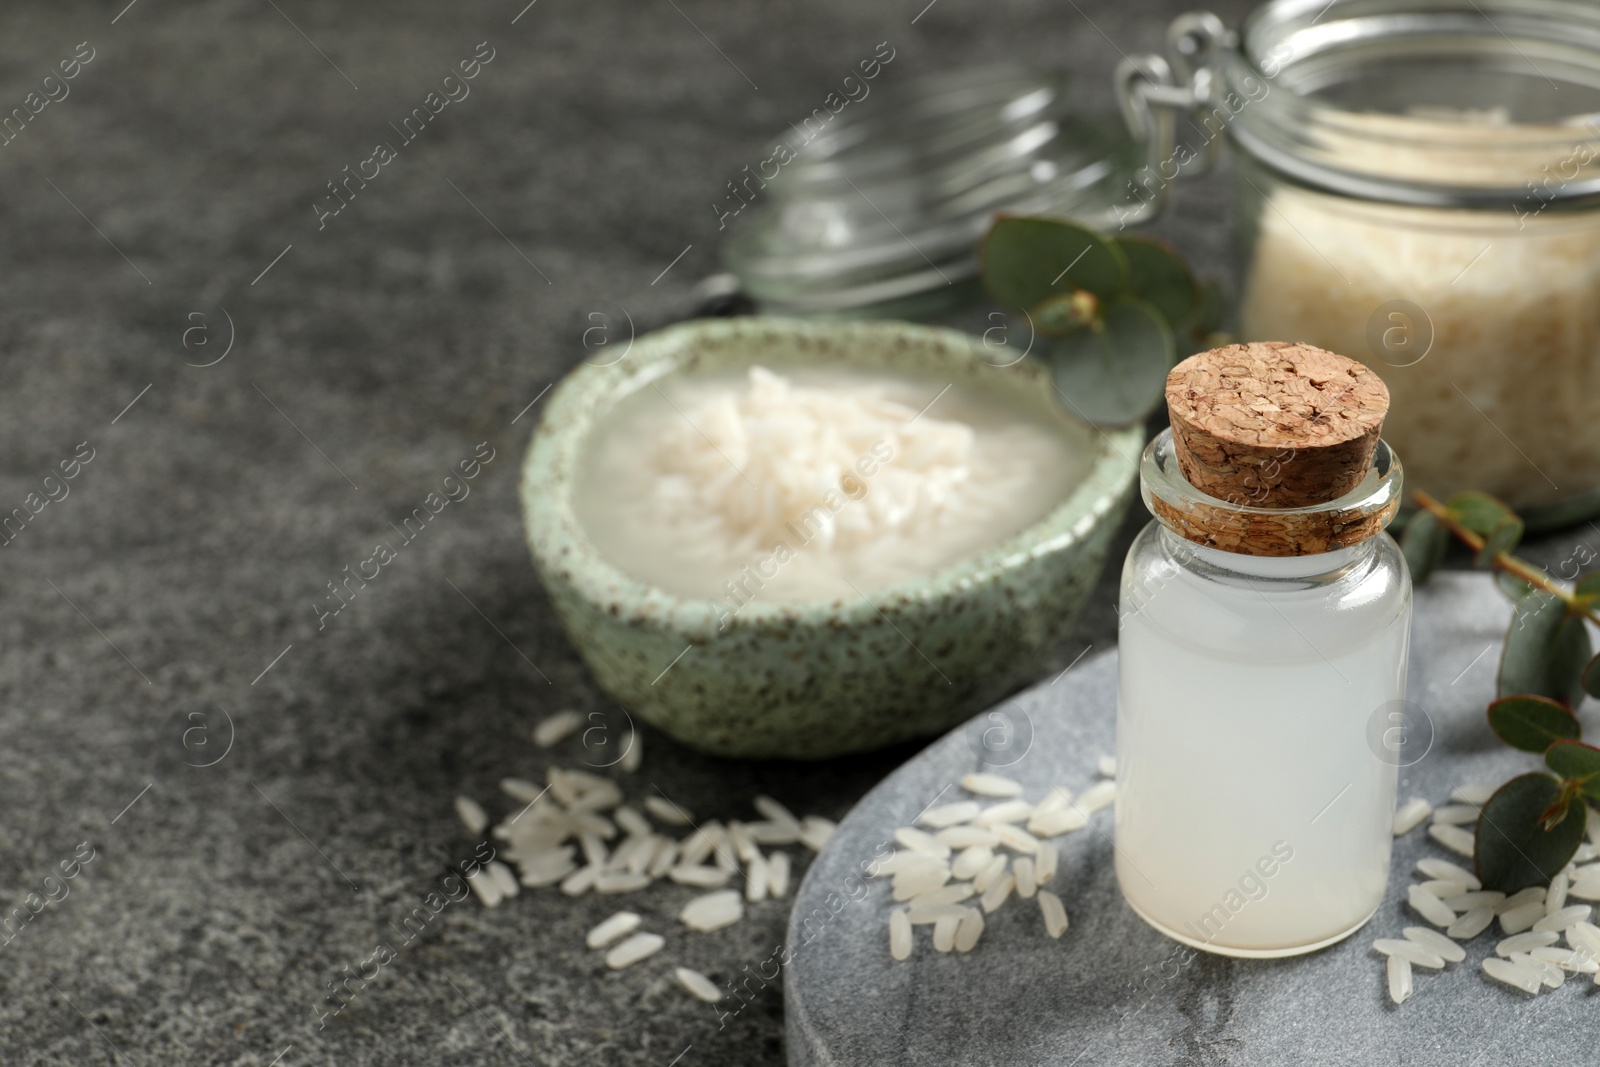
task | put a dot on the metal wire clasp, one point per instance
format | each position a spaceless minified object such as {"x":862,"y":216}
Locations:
{"x":1154,"y":91}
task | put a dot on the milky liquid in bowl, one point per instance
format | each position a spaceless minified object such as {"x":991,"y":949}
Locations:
{"x":791,"y":483}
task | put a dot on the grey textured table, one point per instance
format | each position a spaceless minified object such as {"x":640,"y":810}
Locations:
{"x":1115,"y":993}
{"x":167,"y":206}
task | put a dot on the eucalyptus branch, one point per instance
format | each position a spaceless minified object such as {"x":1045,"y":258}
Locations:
{"x":1505,"y":561}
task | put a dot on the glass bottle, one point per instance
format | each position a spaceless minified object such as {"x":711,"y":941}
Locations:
{"x":1255,"y":788}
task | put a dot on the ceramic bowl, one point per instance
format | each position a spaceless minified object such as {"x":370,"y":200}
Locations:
{"x":818,"y":679}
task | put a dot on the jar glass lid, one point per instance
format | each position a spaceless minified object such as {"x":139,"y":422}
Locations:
{"x":887,"y":200}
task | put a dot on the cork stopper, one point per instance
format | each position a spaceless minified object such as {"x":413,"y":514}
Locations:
{"x":1274,"y":429}
{"x":1273,"y":424}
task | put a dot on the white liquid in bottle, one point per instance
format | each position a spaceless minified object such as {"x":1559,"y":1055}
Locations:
{"x":1253,"y":814}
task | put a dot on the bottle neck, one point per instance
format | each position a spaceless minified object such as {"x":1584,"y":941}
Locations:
{"x":1267,"y":571}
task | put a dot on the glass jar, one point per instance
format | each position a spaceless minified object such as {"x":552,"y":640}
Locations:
{"x":1255,"y":801}
{"x":1418,"y":189}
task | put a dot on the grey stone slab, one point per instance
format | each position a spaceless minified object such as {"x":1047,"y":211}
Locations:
{"x":1112,"y":991}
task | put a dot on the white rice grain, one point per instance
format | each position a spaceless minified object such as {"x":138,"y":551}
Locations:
{"x":1044,"y":864}
{"x":937,"y":818}
{"x":472,"y":815}
{"x":712,"y":911}
{"x":921,"y":841}
{"x":1467,"y":901}
{"x":815,"y":831}
{"x":991,"y":785}
{"x":932,"y":913}
{"x":1016,"y":838}
{"x":485,"y":887}
{"x":1399,"y":979}
{"x":1411,"y":815}
{"x":619,"y":925}
{"x":1519,"y":919}
{"x":666,"y":812}
{"x":1512,"y":975}
{"x":1558,"y":921}
{"x":632,"y":822}
{"x":971,"y":861}
{"x":1054,"y":912}
{"x":1534,"y":894}
{"x":1436,"y":943}
{"x":954,"y":893}
{"x":1410,"y":951}
{"x":1007,"y":811}
{"x":1445,"y":888}
{"x":1567,"y":959}
{"x":556,"y":728}
{"x":697,"y":985}
{"x":773,"y":811}
{"x":1585,"y":937}
{"x":905,"y":860}
{"x":968,"y":930}
{"x":744,"y":846}
{"x":778,"y":875}
{"x":506,"y":882}
{"x":1525,"y":942}
{"x":1475,"y":793}
{"x":1056,"y":823}
{"x":632,"y":752}
{"x":1457,"y":814}
{"x":546,"y":868}
{"x":520,"y":789}
{"x":944,"y":933}
{"x":603,"y":797}
{"x":1097,"y":796}
{"x":755,"y":879}
{"x":580,"y":881}
{"x":967,"y":837}
{"x":997,"y":893}
{"x":665,"y":859}
{"x":1555,"y":898}
{"x":767,"y":832}
{"x":1429,"y":906}
{"x":1447,"y":871}
{"x":622,"y":882}
{"x":990,"y":874}
{"x":633,"y":950}
{"x":1107,"y":767}
{"x":1471,"y":924}
{"x":1549,"y":974}
{"x":1027,"y":881}
{"x":700,"y":877}
{"x":1453,"y":838}
{"x":698,"y":845}
{"x":594,"y":853}
{"x":899,"y":934}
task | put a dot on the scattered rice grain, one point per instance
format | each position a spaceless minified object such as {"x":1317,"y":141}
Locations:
{"x":991,"y":785}
{"x":1399,"y":979}
{"x":633,"y":950}
{"x":1054,"y":912}
{"x":1411,"y":815}
{"x":621,"y":924}
{"x":899,"y":934}
{"x":1453,"y":838}
{"x":712,"y":911}
{"x":698,"y":985}
{"x":1437,"y":943}
{"x":556,"y":728}
{"x":472,"y":815}
{"x":968,"y":930}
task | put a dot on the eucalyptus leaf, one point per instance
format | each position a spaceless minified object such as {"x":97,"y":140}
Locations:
{"x":1591,"y":677}
{"x":1588,"y":585}
{"x":1026,"y":259}
{"x":1514,"y":850}
{"x":1503,"y":538}
{"x":1513,"y":587}
{"x":1578,"y":762}
{"x":1532,"y":724}
{"x":1424,"y":543}
{"x":1545,"y":651}
{"x":1159,"y":276}
{"x":1115,"y":374}
{"x":1479,"y":512}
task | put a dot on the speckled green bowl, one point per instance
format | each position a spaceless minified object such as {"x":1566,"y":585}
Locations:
{"x":819,"y":679}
